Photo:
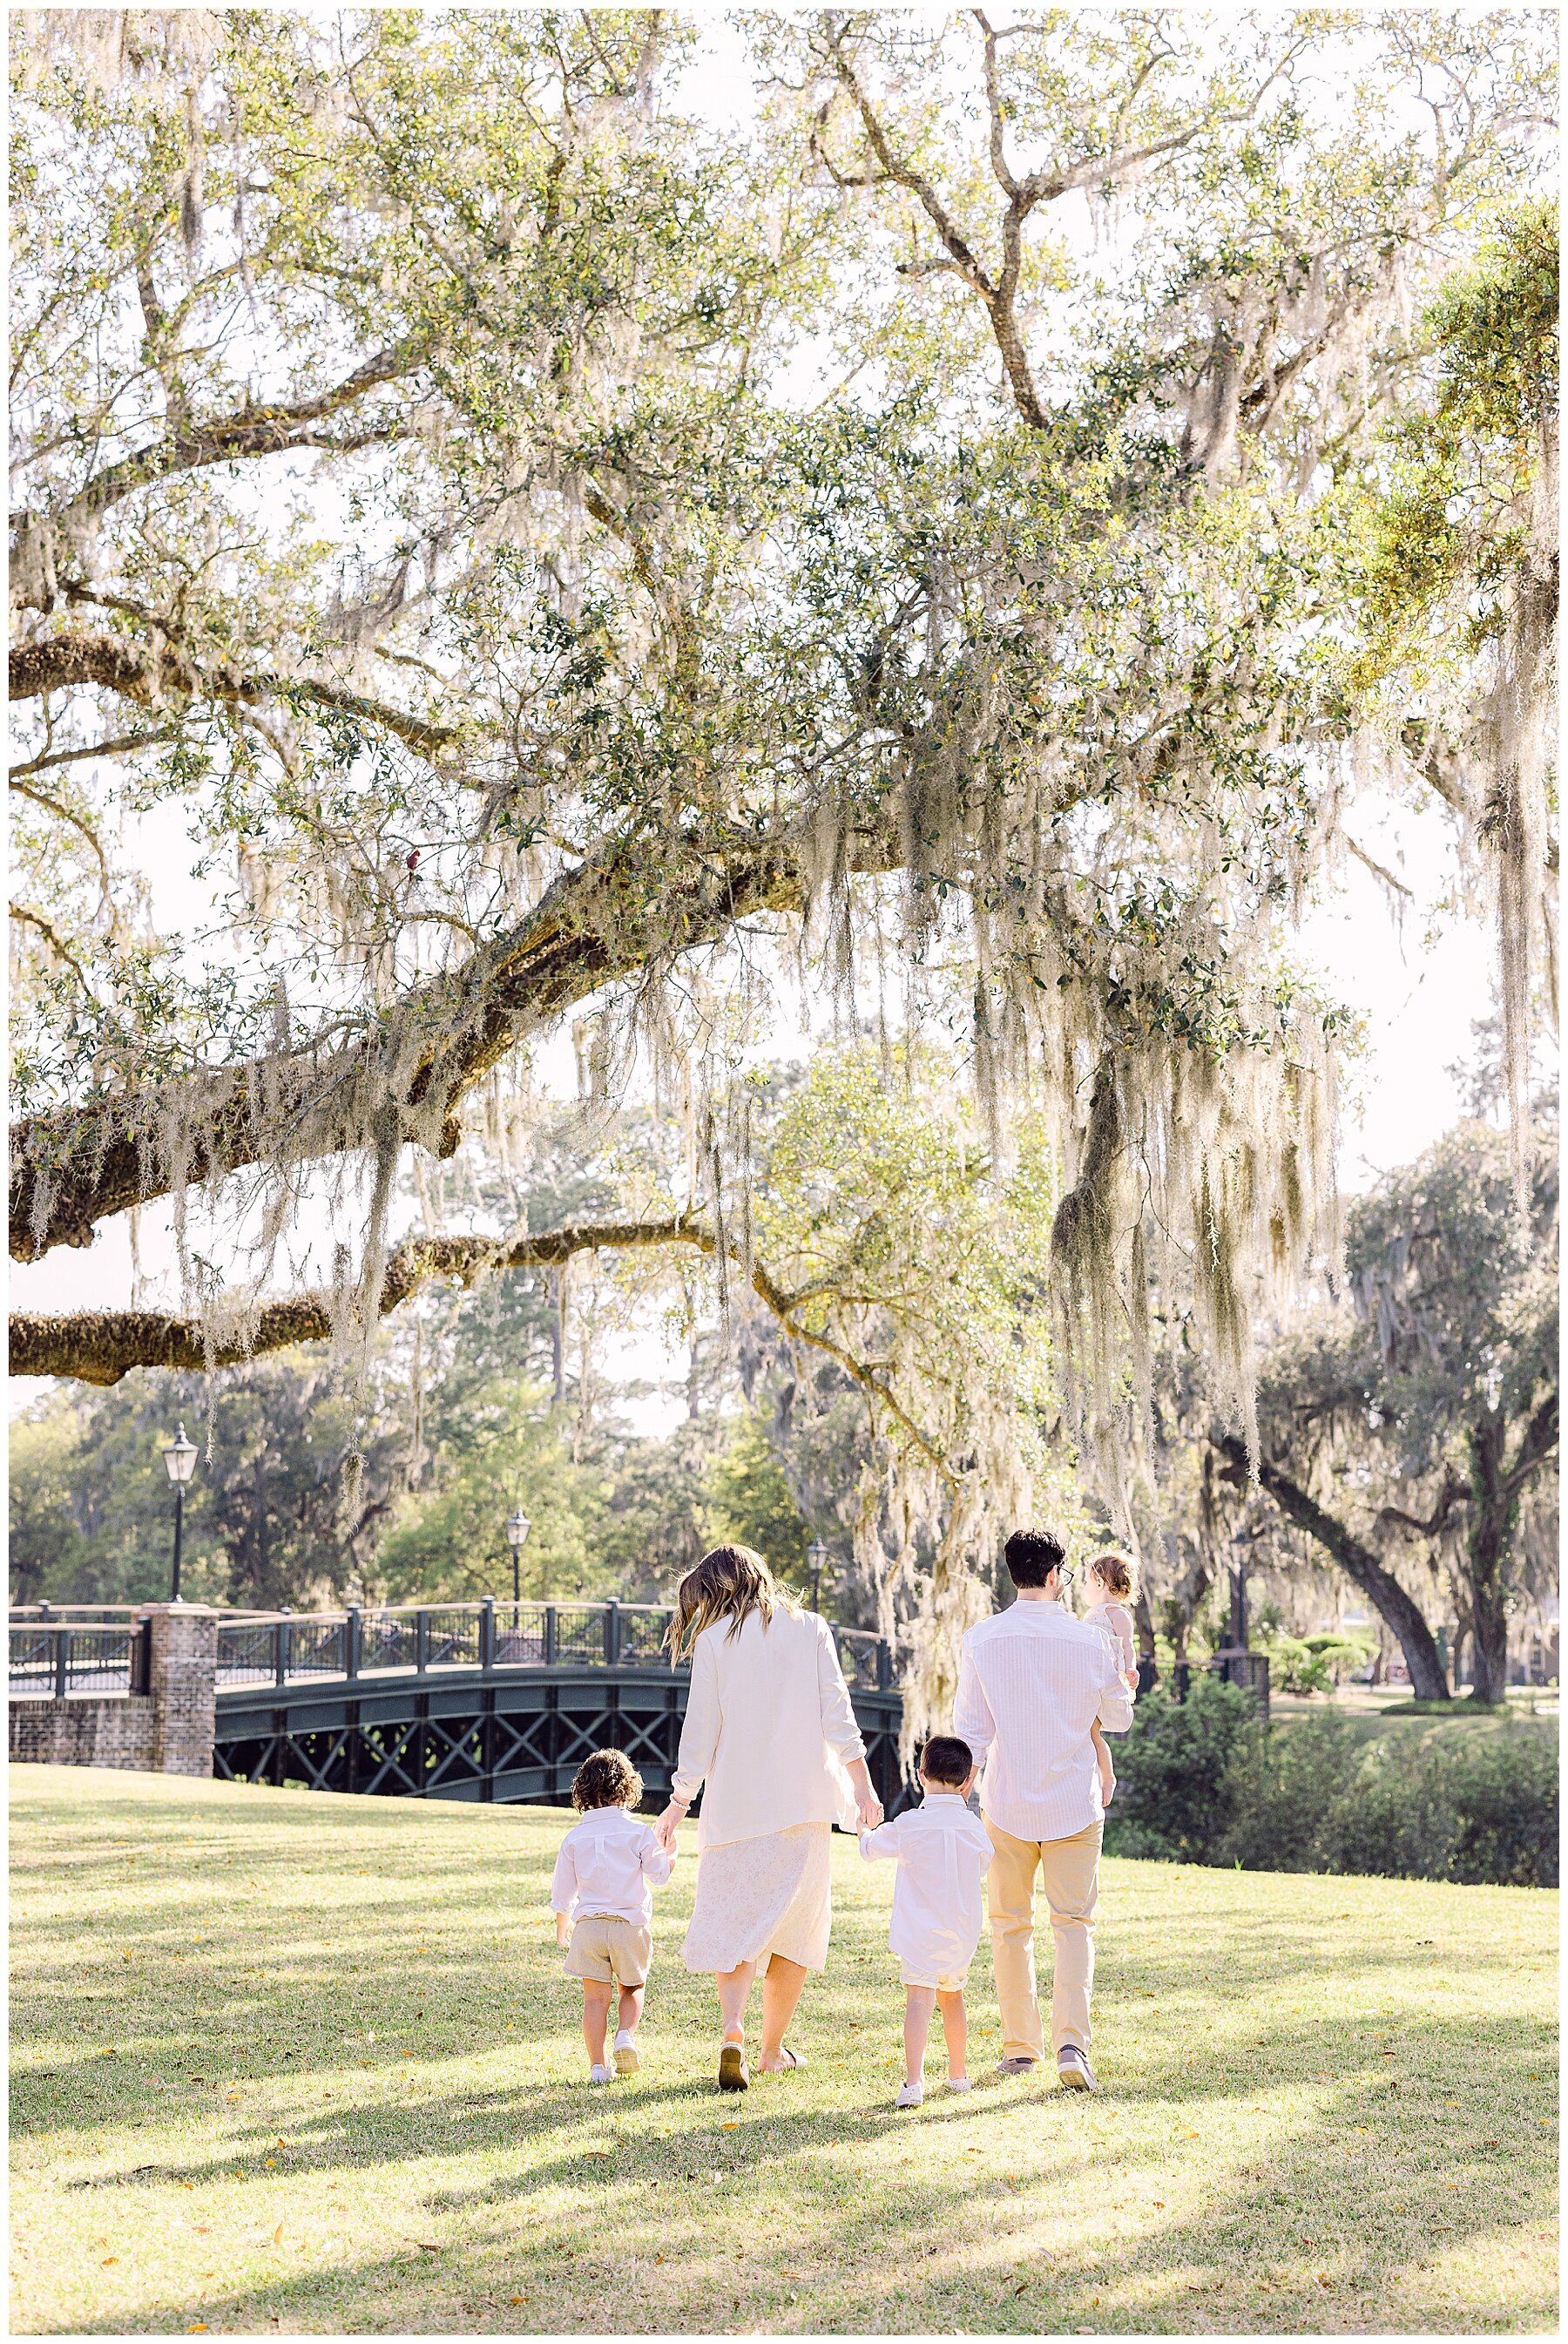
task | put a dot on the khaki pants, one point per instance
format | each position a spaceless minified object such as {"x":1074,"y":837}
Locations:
{"x":1069,"y":1875}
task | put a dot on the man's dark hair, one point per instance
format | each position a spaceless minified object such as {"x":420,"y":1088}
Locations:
{"x":608,"y":1779}
{"x":948,"y":1760}
{"x":1031,"y":1557}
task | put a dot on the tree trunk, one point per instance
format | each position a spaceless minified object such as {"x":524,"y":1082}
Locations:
{"x":1493,"y":1505}
{"x":1461,"y":1633}
{"x":1359,"y":1563}
{"x":1145,"y":1620}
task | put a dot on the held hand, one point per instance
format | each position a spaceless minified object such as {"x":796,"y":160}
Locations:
{"x":868,"y":1810}
{"x":669,"y":1824}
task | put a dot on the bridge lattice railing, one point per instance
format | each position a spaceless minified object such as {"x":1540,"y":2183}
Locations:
{"x":366,"y":1642}
{"x":52,"y":1658}
{"x":55,"y":1656}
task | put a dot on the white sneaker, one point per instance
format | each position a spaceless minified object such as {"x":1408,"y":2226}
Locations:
{"x":910,"y":2096}
{"x":959,"y":2084}
{"x":627,"y":2059}
{"x":600,"y":2076}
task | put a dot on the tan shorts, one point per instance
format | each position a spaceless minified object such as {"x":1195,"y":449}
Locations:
{"x":603,"y":1946}
{"x":910,"y":1976}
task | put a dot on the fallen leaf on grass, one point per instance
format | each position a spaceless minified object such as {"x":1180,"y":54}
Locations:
{"x":277,"y":2235}
{"x":110,"y":2258}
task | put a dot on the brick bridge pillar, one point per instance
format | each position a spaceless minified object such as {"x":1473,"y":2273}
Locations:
{"x":168,"y":1730}
{"x":182,"y":1687}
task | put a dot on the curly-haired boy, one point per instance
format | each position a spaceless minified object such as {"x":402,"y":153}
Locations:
{"x":605,"y":1872}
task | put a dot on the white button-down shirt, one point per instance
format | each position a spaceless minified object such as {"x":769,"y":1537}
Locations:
{"x":611,"y":1863}
{"x":939,"y":1907}
{"x":1033,"y":1680}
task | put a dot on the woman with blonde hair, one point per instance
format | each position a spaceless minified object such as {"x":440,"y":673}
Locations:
{"x":772,"y":1739}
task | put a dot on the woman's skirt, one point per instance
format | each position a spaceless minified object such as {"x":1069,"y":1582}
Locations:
{"x":759,"y":1897}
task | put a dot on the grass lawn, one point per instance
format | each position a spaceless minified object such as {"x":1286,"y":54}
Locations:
{"x":1376,"y":1710}
{"x":287,"y":2061}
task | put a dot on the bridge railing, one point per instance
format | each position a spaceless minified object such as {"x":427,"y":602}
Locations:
{"x":422,"y":1637}
{"x":50,"y":1659}
{"x":84,"y":1650}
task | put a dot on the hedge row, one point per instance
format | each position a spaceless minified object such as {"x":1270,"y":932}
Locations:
{"x":1204,"y":1781}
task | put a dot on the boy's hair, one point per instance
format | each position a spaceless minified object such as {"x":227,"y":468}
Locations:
{"x":1031,"y":1556}
{"x":947,"y":1759}
{"x":608,"y":1779}
{"x":1115,"y":1573}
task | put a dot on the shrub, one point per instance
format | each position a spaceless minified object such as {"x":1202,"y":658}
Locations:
{"x":1175,"y":1767}
{"x":1394,"y":1818}
{"x":1501,"y":1789}
{"x":1285,"y":1787}
{"x":1460,"y":1806}
{"x":1343,"y":1652}
{"x":1294,"y":1667}
{"x":1309,"y":1665}
{"x":1204,"y":1781}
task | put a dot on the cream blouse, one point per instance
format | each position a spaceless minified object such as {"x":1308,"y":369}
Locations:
{"x":768,"y":1729}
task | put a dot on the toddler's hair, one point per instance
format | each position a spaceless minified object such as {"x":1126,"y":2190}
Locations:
{"x":1115,"y":1573}
{"x":608,"y":1779}
{"x":947,"y":1759}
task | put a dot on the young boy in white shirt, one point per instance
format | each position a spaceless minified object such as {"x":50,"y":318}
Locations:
{"x":942,"y":1854}
{"x":605,"y":1873}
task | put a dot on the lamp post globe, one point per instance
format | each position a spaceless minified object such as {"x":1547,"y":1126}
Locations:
{"x":518,"y":1529}
{"x":179,"y":1462}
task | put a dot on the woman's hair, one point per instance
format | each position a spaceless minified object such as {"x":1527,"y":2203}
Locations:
{"x":728,"y":1583}
{"x":608,"y":1779}
{"x":1115,"y":1573}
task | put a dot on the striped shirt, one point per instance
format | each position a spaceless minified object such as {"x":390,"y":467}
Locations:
{"x":1032,"y":1680}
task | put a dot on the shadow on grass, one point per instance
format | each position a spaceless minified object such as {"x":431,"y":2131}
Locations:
{"x":561,"y":2225}
{"x":904,"y":2256}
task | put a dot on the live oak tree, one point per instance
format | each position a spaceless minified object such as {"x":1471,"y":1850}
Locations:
{"x":1424,"y":1417}
{"x":558,"y":555}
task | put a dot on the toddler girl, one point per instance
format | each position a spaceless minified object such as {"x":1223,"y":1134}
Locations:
{"x":1107,"y":1591}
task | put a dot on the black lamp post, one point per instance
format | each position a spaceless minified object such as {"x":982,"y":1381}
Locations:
{"x":518,"y":1529}
{"x":179,"y":1460}
{"x":1239,"y":1621}
{"x":817,"y":1555}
